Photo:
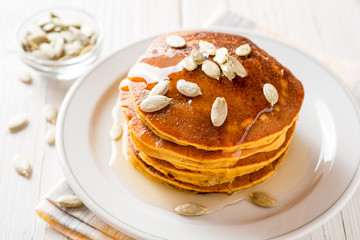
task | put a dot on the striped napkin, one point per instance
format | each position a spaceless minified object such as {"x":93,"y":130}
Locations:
{"x":81,"y":223}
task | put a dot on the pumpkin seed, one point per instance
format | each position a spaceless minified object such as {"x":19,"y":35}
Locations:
{"x":189,"y":64}
{"x":43,"y":21}
{"x":93,"y":39}
{"x":264,"y":199}
{"x":34,"y":29}
{"x":58,"y":47}
{"x":160,"y":88}
{"x":237,"y":66}
{"x":243,"y":50}
{"x":39,"y":54}
{"x":74,"y":47}
{"x":24,"y":75}
{"x":71,"y":22}
{"x":17,"y":122}
{"x":207,"y":48}
{"x":221,"y":56}
{"x":67,"y":35}
{"x":50,"y":113}
{"x":22,"y":165}
{"x":154,"y":103}
{"x":116,"y":131}
{"x":69,"y":201}
{"x":48,"y":27}
{"x":219,"y":111}
{"x":48,"y":50}
{"x":87,"y":30}
{"x":79,"y":36}
{"x":52,"y":36}
{"x":197,"y":56}
{"x":53,"y":15}
{"x":38,"y":38}
{"x":191,"y":209}
{"x":50,"y":136}
{"x":57,"y":29}
{"x":188,"y":89}
{"x":228,"y":70}
{"x":211,"y":69}
{"x":270,"y":93}
{"x":175,"y":41}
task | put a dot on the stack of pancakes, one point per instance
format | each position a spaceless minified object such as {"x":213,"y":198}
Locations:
{"x":179,"y":145}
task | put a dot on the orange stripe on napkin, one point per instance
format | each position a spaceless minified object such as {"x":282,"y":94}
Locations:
{"x":61,"y":228}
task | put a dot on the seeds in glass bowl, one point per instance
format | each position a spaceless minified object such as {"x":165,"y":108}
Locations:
{"x":54,"y":38}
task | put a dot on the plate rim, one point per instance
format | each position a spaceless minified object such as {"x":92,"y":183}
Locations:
{"x":132,"y":231}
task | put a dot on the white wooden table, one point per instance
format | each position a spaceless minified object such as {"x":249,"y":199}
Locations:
{"x":331,"y":26}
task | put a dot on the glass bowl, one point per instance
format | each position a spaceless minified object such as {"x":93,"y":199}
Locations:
{"x":71,"y":20}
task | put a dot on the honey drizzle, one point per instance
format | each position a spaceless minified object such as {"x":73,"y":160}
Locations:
{"x":266,"y":110}
{"x":153,"y":74}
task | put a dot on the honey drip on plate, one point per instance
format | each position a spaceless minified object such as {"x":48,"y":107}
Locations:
{"x":291,"y":172}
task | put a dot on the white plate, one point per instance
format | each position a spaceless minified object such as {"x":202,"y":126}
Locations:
{"x":328,"y":126}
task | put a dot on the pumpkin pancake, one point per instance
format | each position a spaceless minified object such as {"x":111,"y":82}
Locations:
{"x":251,"y":120}
{"x":179,"y":143}
{"x":241,"y":182}
{"x":207,"y":177}
{"x":238,"y":167}
{"x":187,"y":156}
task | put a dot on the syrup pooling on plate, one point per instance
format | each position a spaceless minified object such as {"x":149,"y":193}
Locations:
{"x":161,"y":196}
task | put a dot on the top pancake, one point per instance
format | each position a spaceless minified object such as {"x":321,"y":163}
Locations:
{"x":251,"y":121}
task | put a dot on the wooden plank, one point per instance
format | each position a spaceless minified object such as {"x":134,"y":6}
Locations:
{"x":351,"y":217}
{"x":308,"y":23}
{"x":196,"y":13}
